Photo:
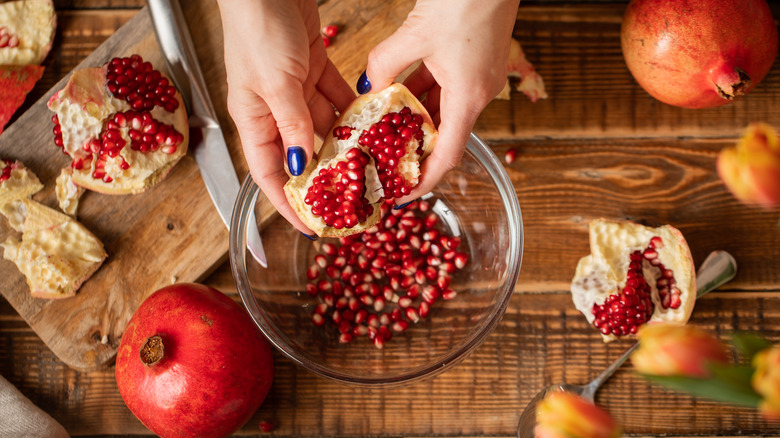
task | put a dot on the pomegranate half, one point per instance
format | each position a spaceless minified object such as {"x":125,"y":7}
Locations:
{"x":124,"y":125}
{"x":371,"y":154}
{"x":634,"y":275}
{"x":192,"y":363}
{"x":698,"y":53}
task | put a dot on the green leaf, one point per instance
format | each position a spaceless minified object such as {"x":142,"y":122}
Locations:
{"x":749,"y":344}
{"x":727,"y":384}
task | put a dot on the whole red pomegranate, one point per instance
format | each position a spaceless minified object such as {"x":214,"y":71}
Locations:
{"x":698,"y":53}
{"x":192,"y":364}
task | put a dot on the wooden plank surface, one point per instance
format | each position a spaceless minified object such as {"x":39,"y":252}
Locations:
{"x":598,"y":146}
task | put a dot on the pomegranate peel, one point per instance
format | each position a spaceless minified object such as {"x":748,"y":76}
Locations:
{"x":633,"y":276}
{"x":56,"y":254}
{"x":68,"y":193}
{"x":120,"y":141}
{"x":15,"y":82}
{"x":518,"y":67}
{"x":372,"y":153}
{"x":26,"y":31}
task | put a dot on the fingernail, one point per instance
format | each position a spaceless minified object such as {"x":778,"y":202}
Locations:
{"x":398,"y":207}
{"x":296,"y":160}
{"x":313,"y":237}
{"x":363,"y":84}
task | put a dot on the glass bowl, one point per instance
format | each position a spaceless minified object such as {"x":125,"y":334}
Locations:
{"x":475,"y":201}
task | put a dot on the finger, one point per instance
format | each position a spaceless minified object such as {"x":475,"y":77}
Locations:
{"x":420,"y":80}
{"x":458,"y":118}
{"x":322,"y":113}
{"x":287,"y":103}
{"x":333,"y":86}
{"x":391,"y":57}
{"x":265,"y":163}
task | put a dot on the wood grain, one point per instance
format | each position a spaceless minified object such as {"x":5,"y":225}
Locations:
{"x":599,"y":146}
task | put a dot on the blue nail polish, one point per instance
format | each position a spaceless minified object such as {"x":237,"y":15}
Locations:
{"x":313,"y":237}
{"x":296,"y":160}
{"x":363,"y":84}
{"x":398,"y":207}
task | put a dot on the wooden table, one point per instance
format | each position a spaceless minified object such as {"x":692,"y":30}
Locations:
{"x":599,"y":146}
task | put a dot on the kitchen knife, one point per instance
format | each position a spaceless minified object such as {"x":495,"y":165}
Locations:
{"x":207,"y":141}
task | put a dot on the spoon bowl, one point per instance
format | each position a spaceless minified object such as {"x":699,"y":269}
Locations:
{"x":717,"y":269}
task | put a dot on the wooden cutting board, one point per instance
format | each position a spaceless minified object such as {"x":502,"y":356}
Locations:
{"x":171,"y":233}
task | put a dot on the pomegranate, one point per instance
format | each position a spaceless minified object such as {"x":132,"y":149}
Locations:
{"x":192,"y":363}
{"x":373,"y":153}
{"x":634,"y":275}
{"x":15,"y":82}
{"x":17,"y":181}
{"x":26,"y":31}
{"x":698,"y":53}
{"x":123,"y":125}
{"x":382,"y":281}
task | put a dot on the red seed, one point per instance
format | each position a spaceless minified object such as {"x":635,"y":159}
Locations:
{"x":330,"y":30}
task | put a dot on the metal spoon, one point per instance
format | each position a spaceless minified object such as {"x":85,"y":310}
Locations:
{"x":717,"y":269}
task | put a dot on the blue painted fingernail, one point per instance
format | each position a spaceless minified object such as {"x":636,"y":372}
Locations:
{"x":363,"y":84}
{"x":398,"y":207}
{"x":313,"y":237}
{"x":296,"y":160}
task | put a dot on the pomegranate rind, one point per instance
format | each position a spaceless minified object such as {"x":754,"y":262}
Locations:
{"x":83,"y":107}
{"x":33,"y":22}
{"x":603,"y":272}
{"x":68,"y":192}
{"x":16,"y":81}
{"x":56,"y":254}
{"x":364,"y":111}
{"x":21,"y":182}
{"x":531,"y":83}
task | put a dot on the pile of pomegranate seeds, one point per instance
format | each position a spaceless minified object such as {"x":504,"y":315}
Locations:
{"x":387,"y":142}
{"x":7,"y":39}
{"x":6,"y":173}
{"x":623,"y":313}
{"x":379,"y":282}
{"x":337,"y":193}
{"x":137,"y":82}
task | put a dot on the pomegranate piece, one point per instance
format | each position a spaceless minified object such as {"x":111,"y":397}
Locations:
{"x":371,"y":154}
{"x":521,"y":71}
{"x":510,"y":155}
{"x":123,"y":125}
{"x":16,"y":181}
{"x":634,"y":275}
{"x":15,"y":82}
{"x":26,"y":31}
{"x":699,"y":53}
{"x":383,"y":280}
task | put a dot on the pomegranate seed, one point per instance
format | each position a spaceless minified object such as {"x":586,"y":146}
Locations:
{"x":400,"y":326}
{"x":326,"y":41}
{"x":510,"y":155}
{"x":448,"y":294}
{"x":266,"y":426}
{"x":330,"y":30}
{"x":656,"y":242}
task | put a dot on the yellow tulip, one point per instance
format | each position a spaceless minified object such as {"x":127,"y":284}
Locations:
{"x":751,"y":169}
{"x":766,"y":381}
{"x":564,"y":414}
{"x":677,"y":350}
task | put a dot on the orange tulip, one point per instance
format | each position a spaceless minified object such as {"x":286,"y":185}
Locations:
{"x":677,"y":350}
{"x":766,"y":381}
{"x":751,"y":169}
{"x":564,"y":414}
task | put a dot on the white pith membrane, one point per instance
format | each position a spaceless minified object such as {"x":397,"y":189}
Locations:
{"x":17,"y":181}
{"x":83,"y":108}
{"x":26,"y":31}
{"x":68,"y":193}
{"x":365,"y":111}
{"x":604,"y":271}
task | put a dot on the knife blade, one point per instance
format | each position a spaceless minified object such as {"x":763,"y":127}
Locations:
{"x":208,"y":145}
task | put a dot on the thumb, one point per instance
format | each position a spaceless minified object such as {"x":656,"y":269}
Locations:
{"x":389,"y":59}
{"x":293,"y":120}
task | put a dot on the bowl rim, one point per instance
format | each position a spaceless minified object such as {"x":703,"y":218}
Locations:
{"x":245,"y":203}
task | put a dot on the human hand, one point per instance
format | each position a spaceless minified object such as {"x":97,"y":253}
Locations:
{"x":464,"y":46}
{"x":282,"y":88}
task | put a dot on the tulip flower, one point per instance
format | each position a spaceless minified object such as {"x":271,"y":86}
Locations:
{"x":751,"y":169}
{"x":677,"y":350}
{"x":564,"y":414}
{"x":766,"y":381}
